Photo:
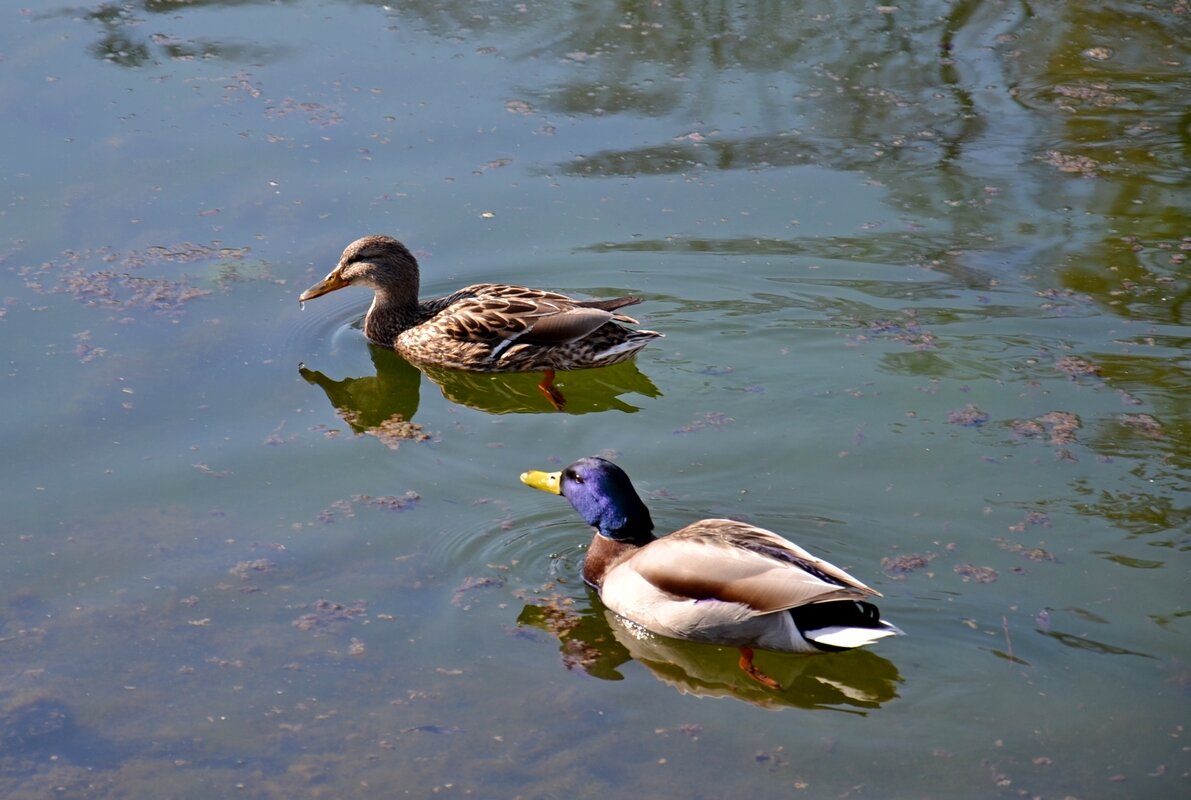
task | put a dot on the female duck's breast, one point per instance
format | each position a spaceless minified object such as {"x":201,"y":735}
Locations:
{"x":423,"y":344}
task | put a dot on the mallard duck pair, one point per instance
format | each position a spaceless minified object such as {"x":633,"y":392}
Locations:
{"x":716,"y":580}
{"x":485,"y":327}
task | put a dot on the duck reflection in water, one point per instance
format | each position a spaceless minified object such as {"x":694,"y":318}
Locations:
{"x":597,"y":642}
{"x":372,"y":401}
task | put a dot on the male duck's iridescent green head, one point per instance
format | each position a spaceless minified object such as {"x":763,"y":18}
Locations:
{"x":602,"y":494}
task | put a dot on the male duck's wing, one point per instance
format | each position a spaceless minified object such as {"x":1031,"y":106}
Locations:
{"x":738,"y":563}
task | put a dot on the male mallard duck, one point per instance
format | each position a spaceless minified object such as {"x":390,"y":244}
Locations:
{"x":485,"y":327}
{"x":716,"y":580}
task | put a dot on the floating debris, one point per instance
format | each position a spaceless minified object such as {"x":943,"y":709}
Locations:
{"x":1032,"y":518}
{"x":214,"y":473}
{"x":327,"y":612}
{"x":317,"y":114}
{"x":1065,"y":302}
{"x":909,"y":332}
{"x":555,"y":613}
{"x":495,"y":163}
{"x":1144,"y":424}
{"x":907,"y":563}
{"x":275,"y":439}
{"x":439,"y":730}
{"x":1082,"y":165}
{"x":1075,"y":367}
{"x":116,"y":283}
{"x":771,"y":759}
{"x":1032,"y":553}
{"x":245,"y":569}
{"x":970,"y":416}
{"x":83,"y":348}
{"x":391,"y":432}
{"x":971,"y":572}
{"x":1096,"y":94}
{"x":338,"y":507}
{"x":1027,"y":428}
{"x":346,"y":509}
{"x":470,"y":584}
{"x":712,"y":419}
{"x":389,"y":502}
{"x":1058,"y":426}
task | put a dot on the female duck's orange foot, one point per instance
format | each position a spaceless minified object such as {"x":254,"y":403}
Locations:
{"x":754,"y":672}
{"x":547,"y":388}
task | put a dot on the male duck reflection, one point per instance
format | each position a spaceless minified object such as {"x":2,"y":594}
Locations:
{"x":485,"y":327}
{"x":716,"y":580}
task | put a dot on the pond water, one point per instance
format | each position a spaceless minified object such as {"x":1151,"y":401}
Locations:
{"x":922,"y":271}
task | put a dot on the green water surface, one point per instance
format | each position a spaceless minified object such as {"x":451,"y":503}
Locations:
{"x":922,"y":271}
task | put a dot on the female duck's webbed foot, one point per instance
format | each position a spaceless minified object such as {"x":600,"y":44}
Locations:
{"x":547,"y":388}
{"x":754,"y":672}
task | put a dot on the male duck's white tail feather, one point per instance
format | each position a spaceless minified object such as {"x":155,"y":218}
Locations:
{"x":847,"y":637}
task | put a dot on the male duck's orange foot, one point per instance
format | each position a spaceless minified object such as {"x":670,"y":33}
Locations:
{"x":548,"y":388}
{"x":754,"y":672}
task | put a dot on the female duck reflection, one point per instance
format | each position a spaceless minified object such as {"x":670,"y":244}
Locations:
{"x":372,"y":401}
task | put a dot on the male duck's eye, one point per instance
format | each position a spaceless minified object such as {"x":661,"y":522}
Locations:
{"x":575,"y":476}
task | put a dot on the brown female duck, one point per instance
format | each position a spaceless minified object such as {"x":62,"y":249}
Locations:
{"x":485,"y":327}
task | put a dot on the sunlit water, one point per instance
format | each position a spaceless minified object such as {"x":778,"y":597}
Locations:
{"x":922,"y":275}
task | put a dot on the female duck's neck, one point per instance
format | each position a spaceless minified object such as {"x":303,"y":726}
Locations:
{"x":389,"y":316}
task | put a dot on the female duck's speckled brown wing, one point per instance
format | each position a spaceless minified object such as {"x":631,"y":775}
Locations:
{"x":496,"y":327}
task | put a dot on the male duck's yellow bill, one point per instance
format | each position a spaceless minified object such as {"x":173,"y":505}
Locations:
{"x":546,"y":481}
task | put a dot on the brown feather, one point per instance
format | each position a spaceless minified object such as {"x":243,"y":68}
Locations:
{"x":565,"y":326}
{"x":611,"y":305}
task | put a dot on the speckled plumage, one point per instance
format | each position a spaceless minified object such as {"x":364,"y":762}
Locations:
{"x":485,"y":327}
